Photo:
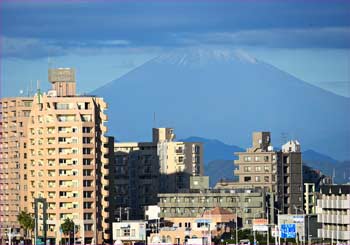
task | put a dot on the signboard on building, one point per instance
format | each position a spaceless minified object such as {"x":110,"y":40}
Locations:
{"x":288,"y":231}
{"x":275,"y":231}
{"x":260,"y":225}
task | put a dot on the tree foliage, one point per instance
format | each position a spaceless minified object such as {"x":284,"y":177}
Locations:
{"x":67,"y":226}
{"x":26,"y":220}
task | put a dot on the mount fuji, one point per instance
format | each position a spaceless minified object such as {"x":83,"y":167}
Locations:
{"x":225,"y":95}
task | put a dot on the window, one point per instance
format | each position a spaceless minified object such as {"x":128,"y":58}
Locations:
{"x":87,"y":172}
{"x":247,"y":169}
{"x":86,"y":140}
{"x":86,"y":129}
{"x":125,"y":231}
{"x":266,"y":158}
{"x":86,"y":161}
{"x":247,"y":159}
{"x":87,"y":216}
{"x":197,"y":149}
{"x":87,"y":194}
{"x":247,"y":179}
{"x":87,"y":183}
{"x":86,"y":150}
{"x":266,"y":178}
{"x":257,"y":168}
{"x":62,"y":139}
{"x":257,"y":178}
{"x":88,"y":227}
{"x":63,"y":194}
{"x":87,"y":205}
{"x":257,"y":159}
{"x":247,"y":199}
{"x":266,"y":169}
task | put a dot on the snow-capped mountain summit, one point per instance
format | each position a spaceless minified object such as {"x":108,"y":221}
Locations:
{"x":226,"y":95}
{"x":204,"y":56}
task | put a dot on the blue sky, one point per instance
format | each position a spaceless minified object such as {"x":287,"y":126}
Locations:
{"x":104,"y":40}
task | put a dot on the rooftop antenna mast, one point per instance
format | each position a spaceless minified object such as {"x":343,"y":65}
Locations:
{"x":154,"y":120}
{"x":284,"y":137}
{"x":31,"y":88}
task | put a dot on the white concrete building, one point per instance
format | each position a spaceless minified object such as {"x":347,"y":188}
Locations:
{"x":334,"y":213}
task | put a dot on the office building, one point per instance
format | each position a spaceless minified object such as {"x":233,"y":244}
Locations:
{"x":334,"y":213}
{"x":144,"y":169}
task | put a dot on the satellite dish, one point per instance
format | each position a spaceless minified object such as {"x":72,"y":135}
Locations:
{"x":21,"y":91}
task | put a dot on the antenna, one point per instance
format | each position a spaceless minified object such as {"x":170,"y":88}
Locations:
{"x":333,"y":177}
{"x":154,"y":120}
{"x":31,"y":88}
{"x":284,"y":137}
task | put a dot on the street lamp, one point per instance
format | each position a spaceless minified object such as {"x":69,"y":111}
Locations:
{"x":240,"y":211}
{"x":303,"y":212}
{"x":308,"y":230}
{"x":279,"y":237}
{"x":253,"y":226}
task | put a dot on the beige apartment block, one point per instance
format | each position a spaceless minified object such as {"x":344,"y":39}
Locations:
{"x":278,"y":172}
{"x":144,"y":169}
{"x":66,"y":157}
{"x":14,"y":114}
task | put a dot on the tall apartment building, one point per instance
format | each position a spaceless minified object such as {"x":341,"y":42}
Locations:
{"x":66,"y":159}
{"x":333,"y":210}
{"x":142,"y":170}
{"x":277,"y":172}
{"x":14,"y":114}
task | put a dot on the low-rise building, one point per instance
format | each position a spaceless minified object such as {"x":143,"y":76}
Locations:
{"x":129,"y":232}
{"x":246,"y":203}
{"x":334,"y":213}
{"x":181,"y":230}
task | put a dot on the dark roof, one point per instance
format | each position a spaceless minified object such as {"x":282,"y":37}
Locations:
{"x":335,"y":189}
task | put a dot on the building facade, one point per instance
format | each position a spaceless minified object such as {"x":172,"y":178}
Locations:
{"x":248,"y":204}
{"x":66,"y":156}
{"x":277,"y":172}
{"x":310,"y":198}
{"x":142,"y":170}
{"x":334,"y":213}
{"x":14,"y":114}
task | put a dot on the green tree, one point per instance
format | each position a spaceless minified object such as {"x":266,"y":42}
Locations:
{"x":67,"y":227}
{"x":26,"y":221}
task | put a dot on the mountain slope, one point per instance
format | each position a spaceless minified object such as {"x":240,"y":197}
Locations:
{"x":225,"y":95}
{"x":215,"y":149}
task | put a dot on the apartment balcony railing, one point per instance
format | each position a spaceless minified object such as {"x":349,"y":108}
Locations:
{"x":334,"y":218}
{"x":334,"y":234}
{"x":335,"y":204}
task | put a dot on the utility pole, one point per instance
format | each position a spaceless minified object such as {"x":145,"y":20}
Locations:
{"x":268,"y":225}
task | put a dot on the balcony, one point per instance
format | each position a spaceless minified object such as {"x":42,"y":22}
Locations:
{"x":333,"y":218}
{"x":335,"y":204}
{"x":334,"y":234}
